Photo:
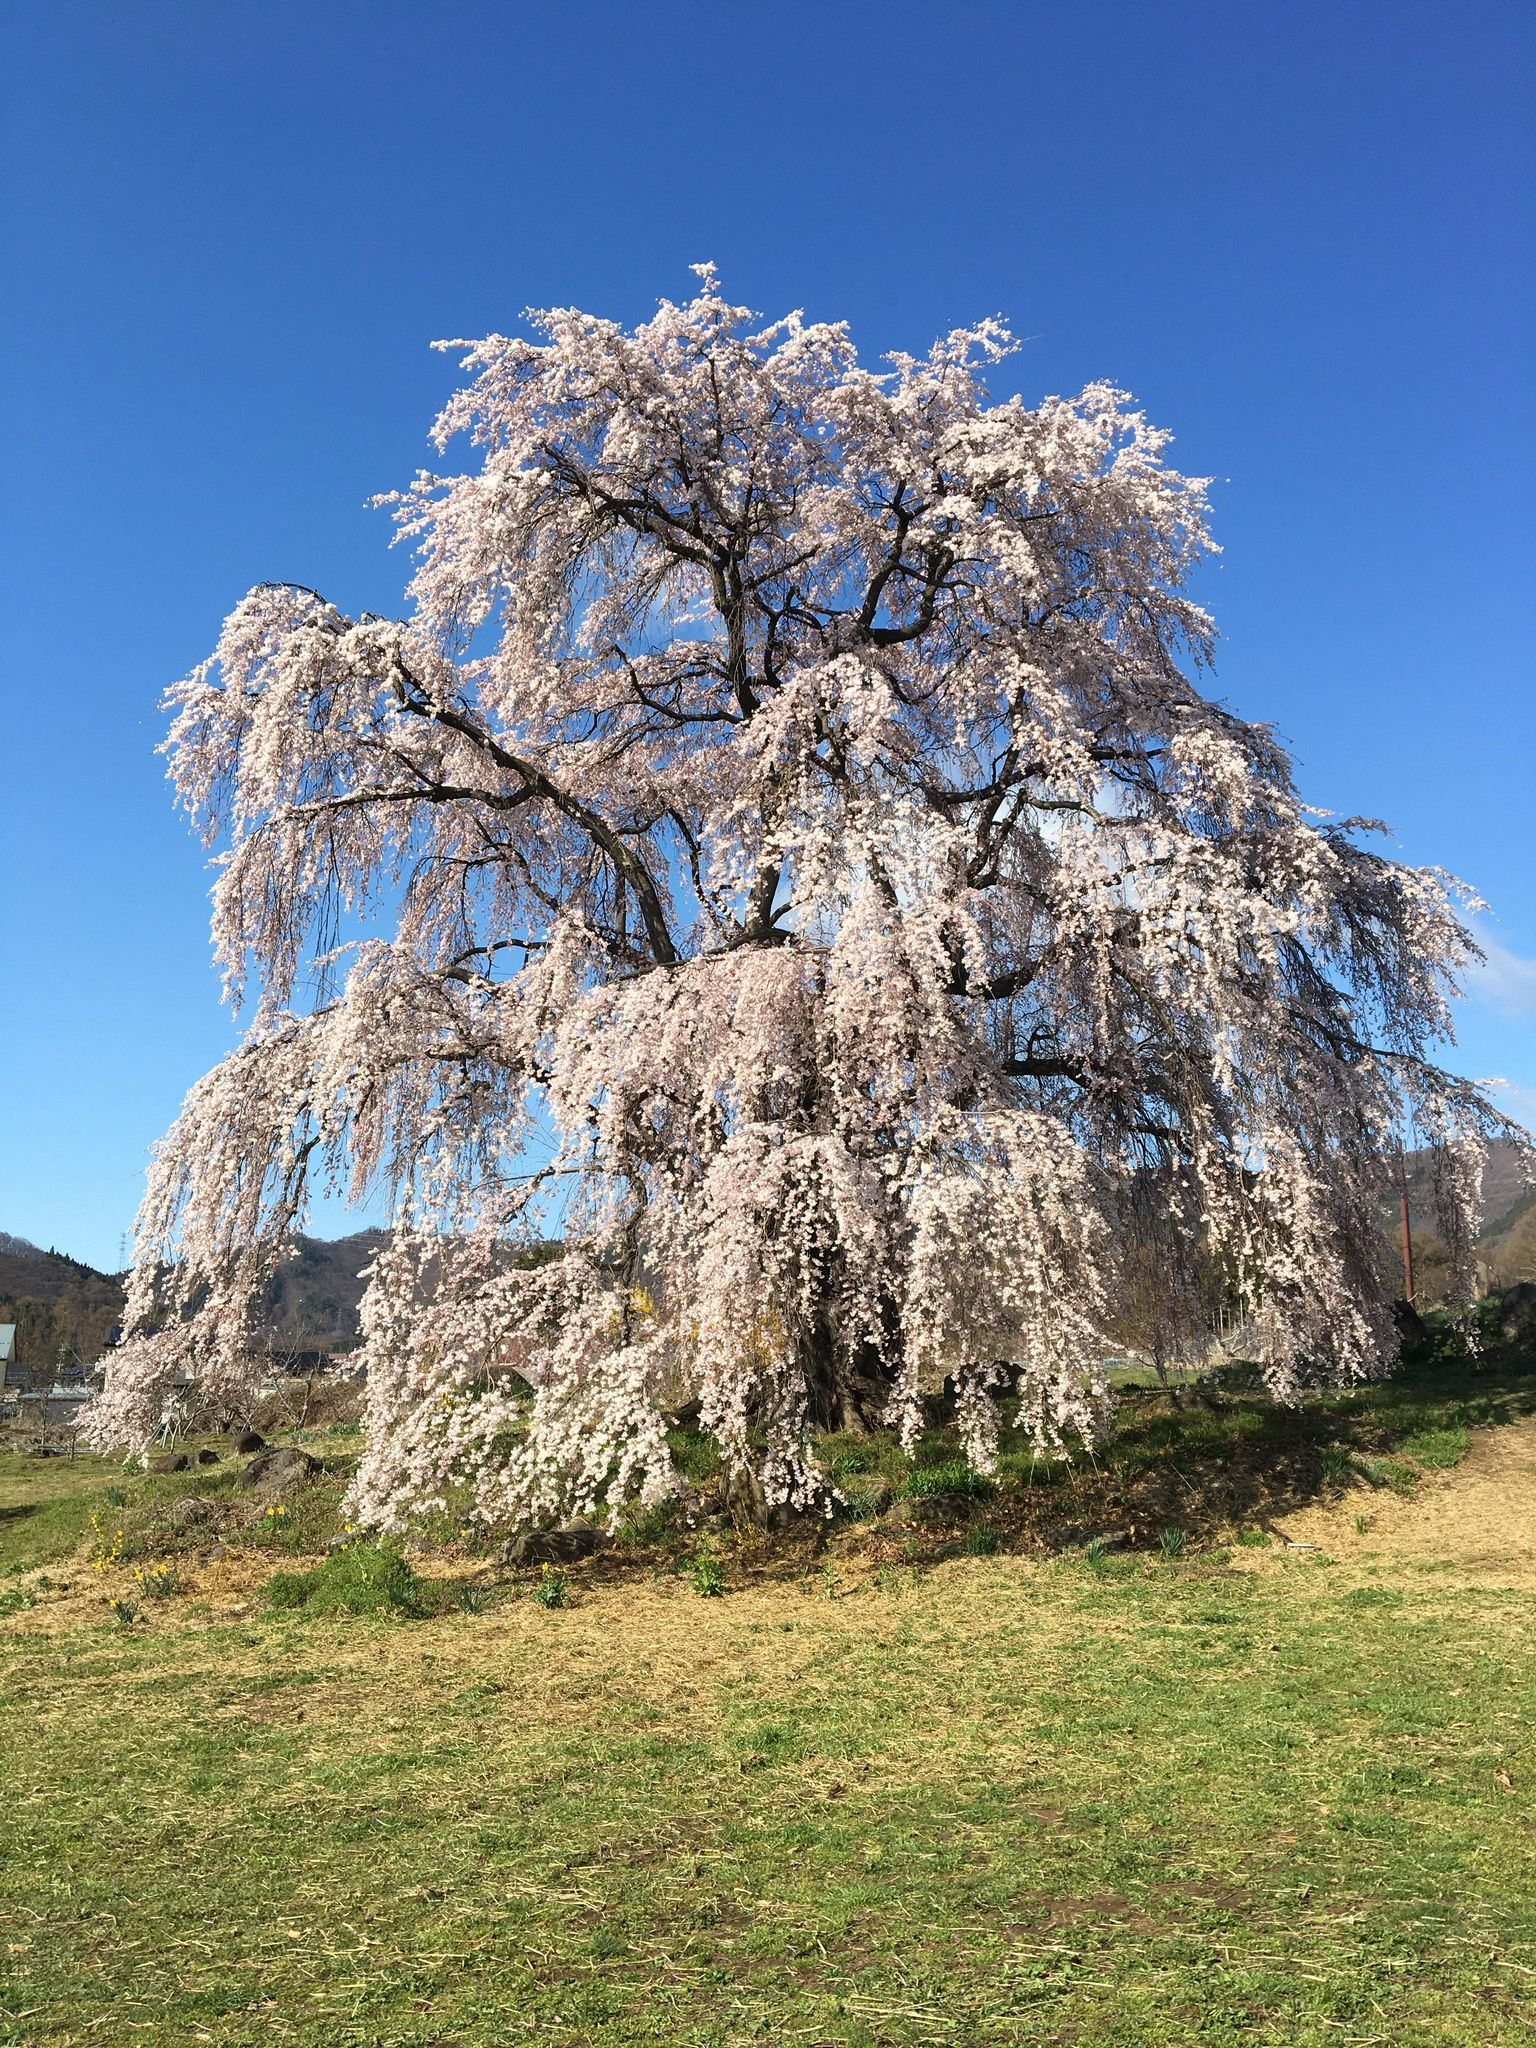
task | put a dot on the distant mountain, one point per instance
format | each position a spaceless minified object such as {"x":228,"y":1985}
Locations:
{"x":62,"y":1307}
{"x":313,"y":1300}
{"x":1506,"y":1194}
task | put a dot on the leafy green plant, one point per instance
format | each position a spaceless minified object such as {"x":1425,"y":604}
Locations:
{"x":362,"y":1578}
{"x":552,"y":1588}
{"x":981,"y":1540}
{"x":1253,"y":1539}
{"x":695,"y":1453}
{"x":123,"y":1612}
{"x":160,"y":1581}
{"x":15,"y":1598}
{"x":1337,"y":1465}
{"x":953,"y":1476}
{"x":645,"y":1528}
{"x":1171,"y":1543}
{"x":116,"y":1496}
{"x":865,"y":1494}
{"x":706,"y":1575}
{"x":1094,"y":1551}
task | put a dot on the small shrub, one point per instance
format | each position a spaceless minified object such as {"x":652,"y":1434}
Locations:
{"x":290,"y":1589}
{"x":123,"y":1612}
{"x":981,"y":1540}
{"x":953,"y":1476}
{"x":363,"y":1578}
{"x":1171,"y":1543}
{"x":1253,"y":1539}
{"x":705,"y":1575}
{"x":14,"y":1599}
{"x":552,"y":1588}
{"x":1094,"y":1553}
{"x":116,"y":1496}
{"x":469,"y":1599}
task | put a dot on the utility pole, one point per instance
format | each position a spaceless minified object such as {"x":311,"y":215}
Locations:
{"x":1402,"y":1210}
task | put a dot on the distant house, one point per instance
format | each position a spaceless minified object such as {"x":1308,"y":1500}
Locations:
{"x":14,"y":1375}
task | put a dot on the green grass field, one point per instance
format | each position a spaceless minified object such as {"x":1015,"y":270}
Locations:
{"x":876,"y":1794}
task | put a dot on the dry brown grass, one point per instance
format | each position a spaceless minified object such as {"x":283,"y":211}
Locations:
{"x":1477,"y":1523}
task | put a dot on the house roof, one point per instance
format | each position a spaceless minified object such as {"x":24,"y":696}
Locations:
{"x":7,"y":1343}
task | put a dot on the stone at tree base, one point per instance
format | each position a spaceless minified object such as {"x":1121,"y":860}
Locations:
{"x":868,"y":1495}
{"x":207,"y":1457}
{"x":248,"y":1441}
{"x":173,"y":1461}
{"x":1515,"y":1320}
{"x":568,"y":1544}
{"x":279,"y":1470}
{"x":747,"y":1505}
{"x":1078,"y":1535}
{"x":1412,"y":1330}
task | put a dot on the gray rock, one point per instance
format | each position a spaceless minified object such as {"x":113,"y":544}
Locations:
{"x":248,"y":1442}
{"x":279,"y":1470}
{"x":173,"y":1461}
{"x":568,"y":1544}
{"x":1412,"y":1330}
{"x":868,"y":1493}
{"x":747,"y":1504}
{"x":1516,"y":1317}
{"x":1078,"y":1535}
{"x":207,"y":1457}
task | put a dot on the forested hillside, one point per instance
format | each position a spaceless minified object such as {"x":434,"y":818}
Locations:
{"x":62,"y":1307}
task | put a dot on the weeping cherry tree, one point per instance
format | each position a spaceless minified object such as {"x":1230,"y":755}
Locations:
{"x":785,"y":853}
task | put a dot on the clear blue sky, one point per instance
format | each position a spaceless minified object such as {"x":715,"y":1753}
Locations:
{"x":1302,"y":234}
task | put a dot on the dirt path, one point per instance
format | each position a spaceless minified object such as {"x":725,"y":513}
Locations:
{"x":1479,"y":1520}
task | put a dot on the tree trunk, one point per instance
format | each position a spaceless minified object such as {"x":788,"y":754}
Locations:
{"x":846,"y":1392}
